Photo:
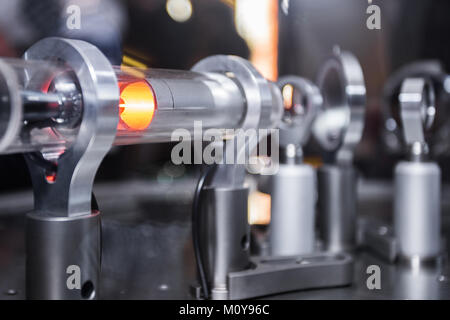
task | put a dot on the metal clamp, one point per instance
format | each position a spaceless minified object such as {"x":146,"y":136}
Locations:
{"x":257,"y":90}
{"x":392,"y":136}
{"x":296,"y":130}
{"x":263,"y":103}
{"x":224,"y":224}
{"x":63,"y":233}
{"x":417,"y":112}
{"x":293,"y":189}
{"x":70,"y":194}
{"x":227,"y":260}
{"x":415,"y":236}
{"x":339,"y":127}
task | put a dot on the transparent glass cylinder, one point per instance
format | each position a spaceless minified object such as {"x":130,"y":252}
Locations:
{"x":41,"y":107}
{"x":154,"y":103}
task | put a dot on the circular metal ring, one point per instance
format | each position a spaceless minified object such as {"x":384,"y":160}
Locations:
{"x":340,"y":126}
{"x":71,"y":192}
{"x":297,"y":132}
{"x":254,"y":86}
{"x":260,"y":111}
{"x":9,"y":86}
{"x":417,"y":108}
{"x":432,"y":70}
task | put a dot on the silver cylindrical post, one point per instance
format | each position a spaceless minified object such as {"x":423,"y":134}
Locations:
{"x":226,"y":236}
{"x":339,"y":129}
{"x":63,"y":257}
{"x":337,"y":207}
{"x":293,"y":188}
{"x":417,"y":200}
{"x":292,"y":223}
{"x":417,"y":217}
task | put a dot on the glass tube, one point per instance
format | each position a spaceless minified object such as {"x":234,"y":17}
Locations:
{"x":153,"y":103}
{"x":50,"y":109}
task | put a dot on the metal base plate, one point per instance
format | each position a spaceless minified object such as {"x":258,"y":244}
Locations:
{"x":276,"y":275}
{"x":147,"y":252}
{"x":377,"y":237}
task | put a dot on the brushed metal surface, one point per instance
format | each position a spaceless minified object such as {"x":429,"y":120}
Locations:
{"x":147,"y":251}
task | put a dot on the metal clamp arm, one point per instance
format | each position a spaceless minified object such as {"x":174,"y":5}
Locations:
{"x":417,"y":112}
{"x":296,"y":126}
{"x":339,"y":127}
{"x":70,"y":193}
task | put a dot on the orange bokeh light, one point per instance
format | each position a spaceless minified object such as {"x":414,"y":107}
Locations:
{"x":137,"y":105}
{"x":51,"y":177}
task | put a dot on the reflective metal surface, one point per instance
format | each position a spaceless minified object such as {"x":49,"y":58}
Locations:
{"x":293,"y":216}
{"x":417,"y":193}
{"x":10,"y":121}
{"x":417,"y":103}
{"x":296,"y":129}
{"x":141,"y":215}
{"x":293,"y":187}
{"x":224,"y":236}
{"x":70,"y":194}
{"x":340,"y":126}
{"x":262,"y":110}
{"x":417,"y":212}
{"x":337,"y":207}
{"x":63,"y":230}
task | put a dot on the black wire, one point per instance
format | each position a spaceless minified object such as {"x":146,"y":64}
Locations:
{"x":196,"y":215}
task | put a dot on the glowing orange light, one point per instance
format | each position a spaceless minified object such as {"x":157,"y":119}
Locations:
{"x":51,"y":177}
{"x":259,"y":208}
{"x":137,"y":105}
{"x":288,"y":93}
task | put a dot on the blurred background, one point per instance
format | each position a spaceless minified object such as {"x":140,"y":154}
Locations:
{"x":280,"y":37}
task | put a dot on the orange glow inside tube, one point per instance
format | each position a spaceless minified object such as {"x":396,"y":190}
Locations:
{"x":288,"y":94}
{"x":137,"y":105}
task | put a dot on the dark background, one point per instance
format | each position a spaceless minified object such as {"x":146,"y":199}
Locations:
{"x":411,"y":30}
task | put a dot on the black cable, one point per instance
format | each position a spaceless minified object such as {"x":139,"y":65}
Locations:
{"x":196,"y":215}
